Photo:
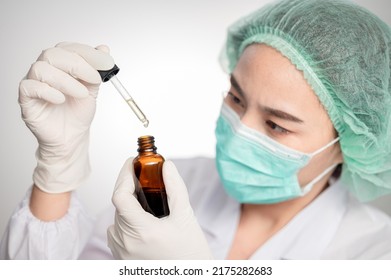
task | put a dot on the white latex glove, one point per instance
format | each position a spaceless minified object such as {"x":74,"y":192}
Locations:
{"x":137,"y":234}
{"x":58,"y":100}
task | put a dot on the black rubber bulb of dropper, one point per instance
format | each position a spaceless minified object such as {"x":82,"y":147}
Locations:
{"x":107,"y":74}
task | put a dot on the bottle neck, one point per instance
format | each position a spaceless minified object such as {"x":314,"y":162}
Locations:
{"x":146,"y":145}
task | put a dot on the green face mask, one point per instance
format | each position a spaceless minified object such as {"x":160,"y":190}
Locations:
{"x":255,"y":168}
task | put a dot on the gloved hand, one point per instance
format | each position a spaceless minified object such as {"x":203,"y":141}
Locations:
{"x":58,"y":100}
{"x":137,"y":234}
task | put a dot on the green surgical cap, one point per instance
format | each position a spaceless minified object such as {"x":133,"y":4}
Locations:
{"x":344,"y":53}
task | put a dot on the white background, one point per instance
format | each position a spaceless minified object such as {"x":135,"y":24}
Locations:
{"x":168,"y":54}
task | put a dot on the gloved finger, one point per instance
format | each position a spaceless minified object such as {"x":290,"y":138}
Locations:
{"x":33,"y":89}
{"x":126,"y":174}
{"x":177,"y":195}
{"x":103,"y":48}
{"x":129,"y":208}
{"x":113,"y":242}
{"x":46,"y":73}
{"x":98,"y":59}
{"x":123,"y":196}
{"x":124,"y":199}
{"x":71,"y":63}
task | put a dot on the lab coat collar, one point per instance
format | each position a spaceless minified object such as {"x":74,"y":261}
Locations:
{"x":309,"y":233}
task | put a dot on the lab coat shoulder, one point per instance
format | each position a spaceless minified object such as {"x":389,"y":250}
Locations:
{"x":364,"y":233}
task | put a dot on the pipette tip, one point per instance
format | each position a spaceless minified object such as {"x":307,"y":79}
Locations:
{"x":145,"y":123}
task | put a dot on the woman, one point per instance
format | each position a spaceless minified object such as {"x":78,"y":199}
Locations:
{"x":303,"y":132}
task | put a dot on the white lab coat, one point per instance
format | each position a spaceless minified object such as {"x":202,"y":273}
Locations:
{"x":333,"y":226}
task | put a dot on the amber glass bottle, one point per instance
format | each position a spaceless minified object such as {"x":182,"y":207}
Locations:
{"x":150,"y":189}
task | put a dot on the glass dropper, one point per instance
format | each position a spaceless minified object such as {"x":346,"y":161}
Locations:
{"x":110,"y":75}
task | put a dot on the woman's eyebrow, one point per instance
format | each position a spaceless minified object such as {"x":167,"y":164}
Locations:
{"x":236,"y":86}
{"x":271,"y":111}
{"x":281,"y":114}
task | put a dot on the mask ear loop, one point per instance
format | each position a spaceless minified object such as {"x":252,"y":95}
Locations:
{"x":311,"y":184}
{"x":324,"y":147}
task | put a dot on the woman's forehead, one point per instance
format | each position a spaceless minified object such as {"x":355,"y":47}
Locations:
{"x":268,"y":77}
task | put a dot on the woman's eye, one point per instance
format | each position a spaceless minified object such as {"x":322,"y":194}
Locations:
{"x":234,"y":98}
{"x":276,"y":128}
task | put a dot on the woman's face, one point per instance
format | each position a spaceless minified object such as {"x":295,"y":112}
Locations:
{"x":271,"y":96}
